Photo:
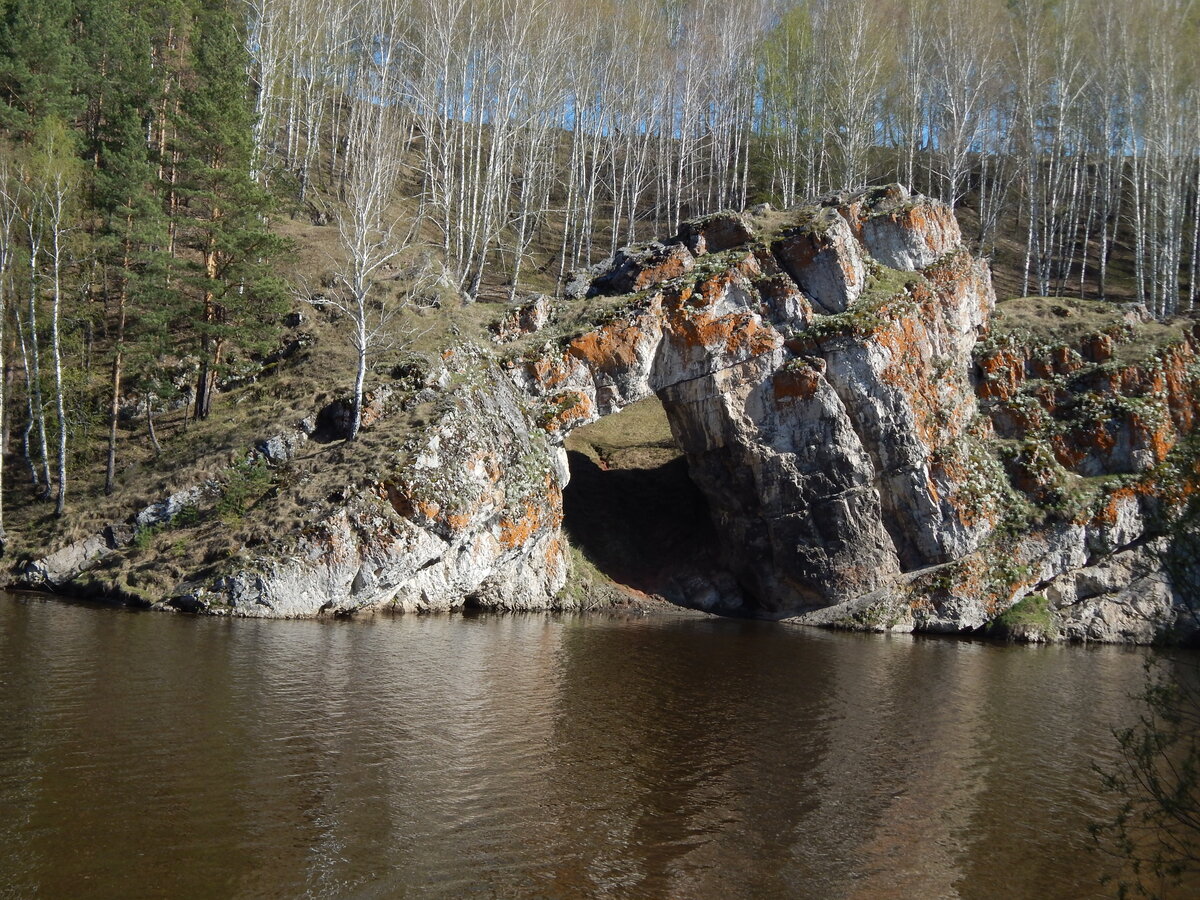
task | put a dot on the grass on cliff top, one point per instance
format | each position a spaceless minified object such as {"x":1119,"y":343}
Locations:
{"x":638,"y":437}
{"x":1049,"y":321}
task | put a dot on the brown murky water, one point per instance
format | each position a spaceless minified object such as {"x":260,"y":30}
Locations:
{"x":147,"y":755}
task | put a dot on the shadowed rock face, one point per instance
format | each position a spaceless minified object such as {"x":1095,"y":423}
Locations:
{"x":825,"y":383}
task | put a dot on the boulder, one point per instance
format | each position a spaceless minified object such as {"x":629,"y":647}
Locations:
{"x":715,"y":233}
{"x":635,"y":269}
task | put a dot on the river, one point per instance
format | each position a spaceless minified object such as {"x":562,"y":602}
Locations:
{"x":151,"y":755}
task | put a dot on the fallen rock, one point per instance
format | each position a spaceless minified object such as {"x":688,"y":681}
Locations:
{"x":63,"y":565}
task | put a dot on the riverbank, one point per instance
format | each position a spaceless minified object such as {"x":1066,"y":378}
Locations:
{"x":849,"y":431}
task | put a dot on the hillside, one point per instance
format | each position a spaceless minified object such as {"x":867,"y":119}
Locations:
{"x":1065,"y":426}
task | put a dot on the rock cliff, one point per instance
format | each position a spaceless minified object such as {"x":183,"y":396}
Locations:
{"x":875,"y":451}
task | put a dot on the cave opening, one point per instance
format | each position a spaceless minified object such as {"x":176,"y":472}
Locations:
{"x":635,"y":515}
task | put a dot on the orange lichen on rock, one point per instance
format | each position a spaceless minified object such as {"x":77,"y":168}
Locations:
{"x":534,"y":514}
{"x":1063,"y":361}
{"x":675,"y":262}
{"x":1001,"y":373}
{"x":610,"y":348}
{"x":1090,"y":438}
{"x":514,"y":532}
{"x":852,"y":212}
{"x":749,"y":266}
{"x":952,"y":273}
{"x":941,"y":405}
{"x":398,"y":499}
{"x":709,"y":291}
{"x":1097,"y":348}
{"x":848,"y":270}
{"x":567,"y":410}
{"x":554,"y":557}
{"x":740,"y":332}
{"x":458,"y":522}
{"x":1156,"y":436}
{"x":550,"y":372}
{"x":1176,"y":381}
{"x":1110,"y":511}
{"x":915,"y":218}
{"x":1040,"y":367}
{"x":796,"y":383}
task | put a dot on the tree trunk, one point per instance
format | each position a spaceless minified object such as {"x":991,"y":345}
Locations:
{"x":360,"y":378}
{"x":60,"y":504}
{"x":38,"y":406}
{"x":114,"y":409}
{"x":110,"y":469}
{"x":150,"y":425}
{"x":206,"y":380}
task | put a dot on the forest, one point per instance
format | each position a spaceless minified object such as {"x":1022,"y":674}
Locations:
{"x":151,"y":151}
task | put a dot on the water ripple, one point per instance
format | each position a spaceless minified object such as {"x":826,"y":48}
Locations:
{"x":525,"y":756}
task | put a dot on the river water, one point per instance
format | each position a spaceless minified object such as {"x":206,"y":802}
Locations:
{"x":151,"y":755}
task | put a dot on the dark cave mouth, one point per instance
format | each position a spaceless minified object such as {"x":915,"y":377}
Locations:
{"x":633,"y":511}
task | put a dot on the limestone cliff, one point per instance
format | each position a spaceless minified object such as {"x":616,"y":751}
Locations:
{"x":874,"y":453}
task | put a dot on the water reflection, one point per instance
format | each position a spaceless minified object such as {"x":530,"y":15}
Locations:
{"x":151,"y":755}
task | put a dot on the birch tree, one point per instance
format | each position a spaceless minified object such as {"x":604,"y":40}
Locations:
{"x":378,"y":131}
{"x":9,"y":220}
{"x":58,"y":185}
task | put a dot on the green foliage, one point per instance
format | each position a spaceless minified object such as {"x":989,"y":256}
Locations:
{"x":143,"y":538}
{"x":886,"y":299}
{"x":1029,"y":612}
{"x":249,"y":480}
{"x":236,"y":294}
{"x":881,"y":616}
{"x":557,"y":407}
{"x":186,"y":517}
{"x":39,"y":65}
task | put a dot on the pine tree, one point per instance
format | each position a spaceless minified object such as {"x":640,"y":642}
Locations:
{"x":38,"y":63}
{"x":129,"y":220}
{"x":225,"y":227}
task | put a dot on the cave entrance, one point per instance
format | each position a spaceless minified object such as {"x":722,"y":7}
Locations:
{"x":635,"y":515}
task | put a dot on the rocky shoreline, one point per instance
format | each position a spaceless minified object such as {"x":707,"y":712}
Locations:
{"x":876,"y":454}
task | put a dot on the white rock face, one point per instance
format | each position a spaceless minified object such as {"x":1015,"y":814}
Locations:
{"x":825,"y":260}
{"x":789,"y":482}
{"x":907,"y":233}
{"x":1124,"y":599}
{"x":474,"y":518}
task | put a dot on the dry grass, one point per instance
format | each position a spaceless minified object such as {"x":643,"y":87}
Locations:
{"x":197,"y":451}
{"x":1051,"y":321}
{"x":638,"y":437}
{"x":1007,"y":257}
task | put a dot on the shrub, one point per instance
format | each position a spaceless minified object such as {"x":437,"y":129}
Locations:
{"x":248,"y":481}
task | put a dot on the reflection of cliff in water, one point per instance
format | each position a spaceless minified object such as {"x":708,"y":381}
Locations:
{"x":535,"y":755}
{"x":632,"y":510}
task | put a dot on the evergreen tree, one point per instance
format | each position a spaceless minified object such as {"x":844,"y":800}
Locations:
{"x":129,"y":219}
{"x":225,"y":226}
{"x":38,"y":64}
